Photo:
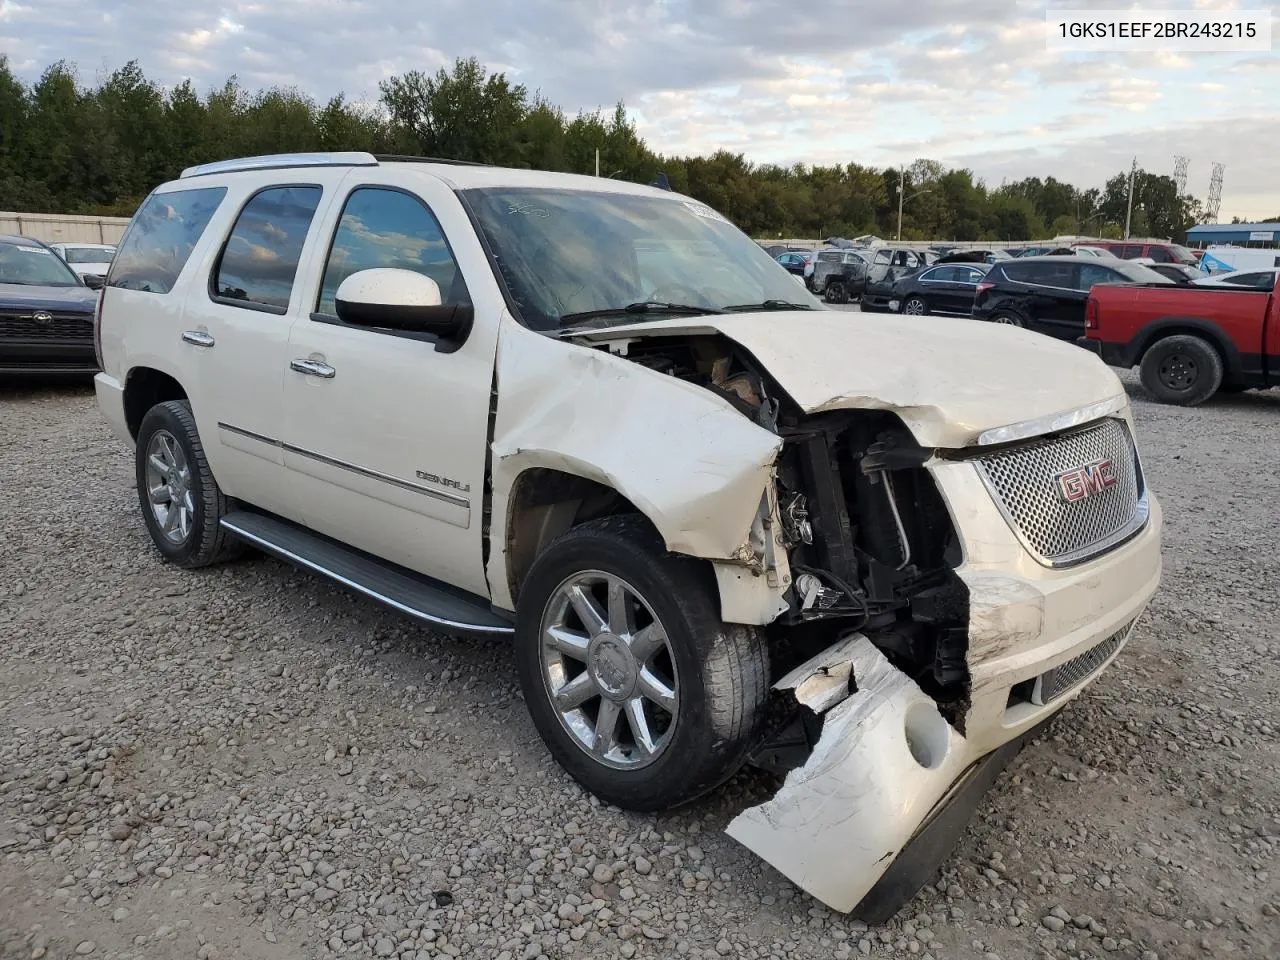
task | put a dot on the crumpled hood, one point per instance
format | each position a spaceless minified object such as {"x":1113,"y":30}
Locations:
{"x":21,"y":296}
{"x":949,"y":379}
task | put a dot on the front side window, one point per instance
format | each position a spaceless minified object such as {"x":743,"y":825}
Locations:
{"x":33,"y":266}
{"x":260,"y":259}
{"x":569,"y":256}
{"x":160,"y":238}
{"x":388,"y":228}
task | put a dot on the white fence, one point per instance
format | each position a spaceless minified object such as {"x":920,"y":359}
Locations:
{"x":64,"y":228}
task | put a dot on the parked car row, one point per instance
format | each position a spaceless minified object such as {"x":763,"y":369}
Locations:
{"x":46,"y":311}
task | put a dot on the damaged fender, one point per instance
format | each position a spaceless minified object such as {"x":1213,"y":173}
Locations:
{"x":884,"y":760}
{"x":695,"y":466}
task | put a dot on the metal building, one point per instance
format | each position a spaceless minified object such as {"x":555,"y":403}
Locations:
{"x":1238,"y":234}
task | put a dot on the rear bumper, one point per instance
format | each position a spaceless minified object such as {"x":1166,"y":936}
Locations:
{"x":1112,"y":354}
{"x":111,"y":403}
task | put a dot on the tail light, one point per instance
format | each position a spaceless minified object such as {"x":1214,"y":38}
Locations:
{"x":1091,"y":314}
{"x":97,"y":329}
{"x":983,"y":287}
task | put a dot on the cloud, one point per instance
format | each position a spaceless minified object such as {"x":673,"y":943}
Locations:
{"x":842,"y":82}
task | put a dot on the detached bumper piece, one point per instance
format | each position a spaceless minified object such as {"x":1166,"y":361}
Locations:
{"x":885,"y":794}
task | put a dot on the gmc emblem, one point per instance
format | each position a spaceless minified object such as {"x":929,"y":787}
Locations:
{"x":1082,"y":482}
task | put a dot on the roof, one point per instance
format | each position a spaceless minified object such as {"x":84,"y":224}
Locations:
{"x":457,"y":174}
{"x":1235,"y":228}
{"x":18,"y":241}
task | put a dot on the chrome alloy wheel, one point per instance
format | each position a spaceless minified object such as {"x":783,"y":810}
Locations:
{"x":169,"y":487}
{"x":914,"y":307}
{"x":608,"y":669}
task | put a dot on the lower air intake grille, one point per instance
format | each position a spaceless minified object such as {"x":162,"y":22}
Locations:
{"x":1065,"y":676}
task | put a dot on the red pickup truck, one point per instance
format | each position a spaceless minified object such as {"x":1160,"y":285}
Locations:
{"x":1188,"y":341}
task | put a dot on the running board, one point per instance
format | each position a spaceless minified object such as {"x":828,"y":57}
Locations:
{"x":442,"y":606}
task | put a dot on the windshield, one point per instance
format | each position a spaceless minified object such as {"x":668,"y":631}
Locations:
{"x":1181,"y":254}
{"x":34,"y":267}
{"x":88,"y":254}
{"x":566,"y":254}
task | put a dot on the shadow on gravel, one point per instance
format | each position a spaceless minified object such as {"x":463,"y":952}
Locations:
{"x":1248,"y":400}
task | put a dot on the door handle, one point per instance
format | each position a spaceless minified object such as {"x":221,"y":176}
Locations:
{"x":313,"y":368}
{"x":197,"y":338}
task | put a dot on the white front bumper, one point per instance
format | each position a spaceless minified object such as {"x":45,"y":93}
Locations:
{"x":838,"y":823}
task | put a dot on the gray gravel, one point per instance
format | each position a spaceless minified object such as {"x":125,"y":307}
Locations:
{"x":246,"y":762}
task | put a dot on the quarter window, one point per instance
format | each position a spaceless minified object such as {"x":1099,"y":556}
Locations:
{"x":260,"y":259}
{"x":1091,"y":273}
{"x":388,"y":228}
{"x":160,"y":239}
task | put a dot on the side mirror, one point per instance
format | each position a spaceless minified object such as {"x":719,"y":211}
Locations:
{"x":93,"y":281}
{"x":395,"y":299}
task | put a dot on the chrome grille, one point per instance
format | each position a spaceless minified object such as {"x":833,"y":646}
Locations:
{"x":61,"y":326}
{"x":1054,"y":683}
{"x":1025,"y":483}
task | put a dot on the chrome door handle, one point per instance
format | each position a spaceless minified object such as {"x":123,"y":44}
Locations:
{"x":313,"y":368}
{"x":198,"y":338}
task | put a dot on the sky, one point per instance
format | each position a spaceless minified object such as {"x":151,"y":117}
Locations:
{"x":969,"y":83}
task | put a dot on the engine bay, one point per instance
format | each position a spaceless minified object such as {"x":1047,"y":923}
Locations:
{"x":869,"y":540}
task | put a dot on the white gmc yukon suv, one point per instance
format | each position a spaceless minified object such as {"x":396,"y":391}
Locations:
{"x":722,"y":523}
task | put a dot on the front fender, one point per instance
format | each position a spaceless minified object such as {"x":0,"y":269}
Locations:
{"x":695,"y":466}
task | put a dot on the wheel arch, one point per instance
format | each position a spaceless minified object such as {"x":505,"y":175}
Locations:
{"x":1165,"y":327}
{"x":144,"y":387}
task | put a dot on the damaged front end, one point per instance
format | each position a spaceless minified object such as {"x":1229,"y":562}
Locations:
{"x":909,"y":656}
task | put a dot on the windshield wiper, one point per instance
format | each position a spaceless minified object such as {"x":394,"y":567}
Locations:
{"x":631,"y":309}
{"x":767,"y":305}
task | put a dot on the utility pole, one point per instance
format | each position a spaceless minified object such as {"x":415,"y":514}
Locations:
{"x":597,"y":161}
{"x":902,"y":189}
{"x":1128,"y":217}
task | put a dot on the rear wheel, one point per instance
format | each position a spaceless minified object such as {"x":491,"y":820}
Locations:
{"x":837,"y":292}
{"x":1183,"y":369}
{"x":641,"y":693}
{"x":181,"y":502}
{"x":1009,"y":318}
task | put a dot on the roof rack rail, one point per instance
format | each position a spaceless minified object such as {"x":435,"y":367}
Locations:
{"x":406,"y":158}
{"x":283,"y":161}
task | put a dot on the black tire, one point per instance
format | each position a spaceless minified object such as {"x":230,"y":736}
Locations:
{"x":206,"y":542}
{"x":1183,"y":370}
{"x":922,"y":312}
{"x":721,"y":669}
{"x":836,"y":292}
{"x":1009,"y":318}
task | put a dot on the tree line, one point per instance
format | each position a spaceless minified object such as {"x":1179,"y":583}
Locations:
{"x":71,"y":147}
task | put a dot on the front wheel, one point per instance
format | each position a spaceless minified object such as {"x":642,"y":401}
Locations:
{"x":182,"y":504}
{"x":638,"y":689}
{"x":1183,"y":369}
{"x":915,"y":306}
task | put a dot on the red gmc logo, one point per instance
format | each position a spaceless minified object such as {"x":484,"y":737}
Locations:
{"x":1084,"y":481}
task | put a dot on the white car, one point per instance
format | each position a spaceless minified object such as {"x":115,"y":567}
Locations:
{"x":1264,"y":280}
{"x":720,"y":523}
{"x":90,"y":261}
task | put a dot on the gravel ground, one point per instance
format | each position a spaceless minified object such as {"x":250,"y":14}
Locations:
{"x":247,"y":762}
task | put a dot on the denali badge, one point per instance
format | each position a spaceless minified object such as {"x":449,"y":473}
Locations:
{"x":1085,"y":480}
{"x":443,"y":481}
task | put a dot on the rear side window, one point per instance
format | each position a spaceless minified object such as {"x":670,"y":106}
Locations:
{"x":1160,"y":254}
{"x":1130,"y":251}
{"x":1051,"y":274}
{"x":260,"y":259}
{"x":160,"y":239}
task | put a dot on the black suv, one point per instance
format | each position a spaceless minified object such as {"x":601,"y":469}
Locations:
{"x":1048,"y":294}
